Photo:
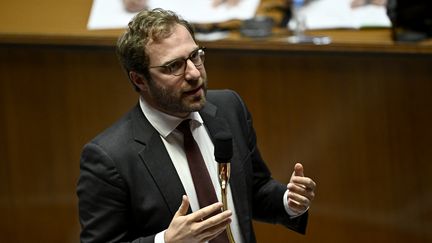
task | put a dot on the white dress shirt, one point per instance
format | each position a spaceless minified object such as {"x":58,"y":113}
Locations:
{"x":173,"y":140}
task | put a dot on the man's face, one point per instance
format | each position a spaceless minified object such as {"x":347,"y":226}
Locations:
{"x":175,"y":95}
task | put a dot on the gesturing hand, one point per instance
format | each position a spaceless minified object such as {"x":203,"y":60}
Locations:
{"x":196,"y":227}
{"x":301,"y":190}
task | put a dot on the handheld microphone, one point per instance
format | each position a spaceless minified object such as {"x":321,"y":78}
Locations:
{"x":223,"y":151}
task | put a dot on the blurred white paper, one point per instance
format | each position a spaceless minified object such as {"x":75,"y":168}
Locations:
{"x":111,"y":14}
{"x":335,"y":14}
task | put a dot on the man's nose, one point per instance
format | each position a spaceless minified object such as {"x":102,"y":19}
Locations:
{"x":191,"y":71}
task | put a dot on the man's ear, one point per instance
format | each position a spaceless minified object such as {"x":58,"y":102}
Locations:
{"x":138,"y":80}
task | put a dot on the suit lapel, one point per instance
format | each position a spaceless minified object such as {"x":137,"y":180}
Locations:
{"x":157,"y":161}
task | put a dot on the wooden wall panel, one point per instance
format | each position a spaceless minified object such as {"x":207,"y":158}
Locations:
{"x":53,"y":101}
{"x":360,"y":123}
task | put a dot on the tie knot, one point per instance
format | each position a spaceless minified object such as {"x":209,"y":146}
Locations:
{"x":184,"y":127}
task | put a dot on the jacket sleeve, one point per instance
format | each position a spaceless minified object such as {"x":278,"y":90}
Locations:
{"x":267,"y":193}
{"x":103,"y":207}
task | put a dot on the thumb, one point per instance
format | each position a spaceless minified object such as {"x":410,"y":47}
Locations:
{"x":183,"y":207}
{"x":298,"y":170}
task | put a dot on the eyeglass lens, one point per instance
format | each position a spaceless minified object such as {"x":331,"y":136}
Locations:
{"x":178,"y":67}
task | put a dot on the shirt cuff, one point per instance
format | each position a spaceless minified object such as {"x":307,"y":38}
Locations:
{"x":291,"y":213}
{"x":159,"y":238}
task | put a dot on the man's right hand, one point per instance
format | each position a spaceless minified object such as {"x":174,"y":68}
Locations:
{"x":196,"y":227}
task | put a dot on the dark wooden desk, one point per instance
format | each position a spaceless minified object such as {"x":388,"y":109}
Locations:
{"x":356,"y":112}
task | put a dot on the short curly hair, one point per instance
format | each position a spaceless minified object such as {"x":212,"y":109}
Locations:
{"x":147,"y":25}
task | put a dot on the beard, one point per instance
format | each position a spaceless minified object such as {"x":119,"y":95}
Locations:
{"x":175,"y":102}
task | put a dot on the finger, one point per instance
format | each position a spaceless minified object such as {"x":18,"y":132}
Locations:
{"x":300,"y":199}
{"x":212,"y":227}
{"x":215,"y":231}
{"x":296,"y":188}
{"x":206,"y":211}
{"x":305,"y":182}
{"x":184,"y":206}
{"x":298,"y":169}
{"x":217,"y":219}
{"x":296,"y":207}
{"x":301,"y":190}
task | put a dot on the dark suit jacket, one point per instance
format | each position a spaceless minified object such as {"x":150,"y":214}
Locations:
{"x":129,"y":190}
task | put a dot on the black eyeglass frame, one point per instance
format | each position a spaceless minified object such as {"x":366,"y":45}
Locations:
{"x":200,"y":51}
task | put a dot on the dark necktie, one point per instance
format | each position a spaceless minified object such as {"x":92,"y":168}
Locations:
{"x":203,"y":185}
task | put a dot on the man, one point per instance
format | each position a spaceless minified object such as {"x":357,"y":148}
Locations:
{"x":135,"y":182}
{"x":137,"y":5}
{"x":359,"y":3}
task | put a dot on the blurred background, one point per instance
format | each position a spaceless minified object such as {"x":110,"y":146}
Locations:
{"x":355,"y":110}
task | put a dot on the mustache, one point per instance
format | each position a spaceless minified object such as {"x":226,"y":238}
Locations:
{"x":197,"y":84}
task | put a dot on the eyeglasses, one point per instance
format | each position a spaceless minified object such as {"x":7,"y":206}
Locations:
{"x":178,"y":66}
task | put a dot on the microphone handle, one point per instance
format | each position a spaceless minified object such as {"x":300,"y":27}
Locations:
{"x":224,"y":176}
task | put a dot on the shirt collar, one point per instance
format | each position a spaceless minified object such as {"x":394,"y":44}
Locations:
{"x":165,"y":123}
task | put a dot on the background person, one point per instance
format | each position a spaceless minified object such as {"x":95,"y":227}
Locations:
{"x":138,"y":5}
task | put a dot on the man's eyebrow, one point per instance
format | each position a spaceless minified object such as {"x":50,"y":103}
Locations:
{"x":180,"y":58}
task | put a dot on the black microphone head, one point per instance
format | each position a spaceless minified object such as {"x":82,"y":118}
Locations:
{"x":223,"y":150}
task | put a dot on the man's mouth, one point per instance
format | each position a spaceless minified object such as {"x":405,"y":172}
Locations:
{"x":194,"y":91}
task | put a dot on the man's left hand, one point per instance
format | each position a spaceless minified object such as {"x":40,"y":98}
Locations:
{"x":301,"y":190}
